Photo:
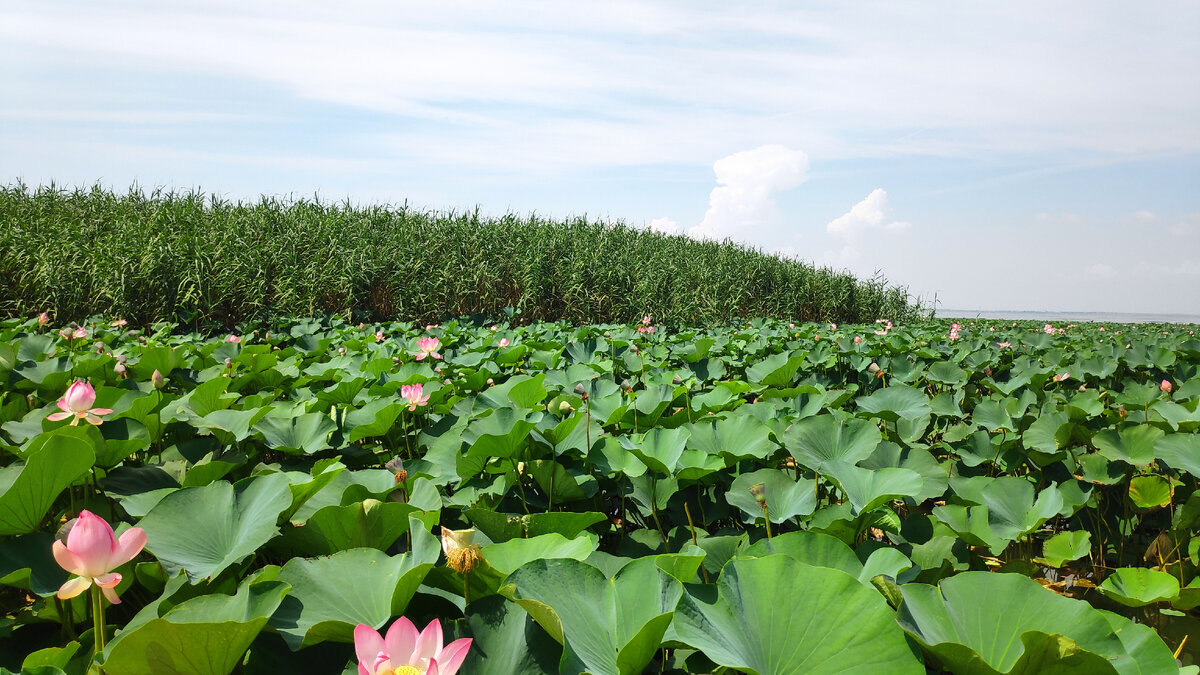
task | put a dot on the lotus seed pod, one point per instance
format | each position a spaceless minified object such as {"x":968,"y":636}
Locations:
{"x":447,"y":382}
{"x":565,"y":407}
{"x":341,"y":351}
{"x":157,"y":379}
{"x":580,"y":390}
{"x":759,"y":491}
{"x":99,"y":347}
{"x":677,"y":380}
{"x":119,"y":369}
{"x":121,"y":358}
{"x":490,"y":382}
{"x":625,"y":385}
{"x":873,"y":368}
{"x":228,"y":362}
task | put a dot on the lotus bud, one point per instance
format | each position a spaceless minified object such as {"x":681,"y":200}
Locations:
{"x":1166,"y":386}
{"x":43,"y":319}
{"x":677,"y":380}
{"x":157,"y":379}
{"x":759,"y":491}
{"x":447,"y":382}
{"x":142,"y":339}
{"x":607,"y":334}
{"x":1082,"y":387}
{"x":341,"y":351}
{"x":565,"y":408}
{"x":857,"y":339}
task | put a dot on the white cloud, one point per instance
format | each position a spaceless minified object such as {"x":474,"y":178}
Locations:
{"x":1100,"y":270}
{"x":743,"y":203}
{"x":1143,"y":216}
{"x":663,"y":225}
{"x":1060,"y":218}
{"x":872,"y":213}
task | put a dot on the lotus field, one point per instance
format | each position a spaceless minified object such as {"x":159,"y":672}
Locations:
{"x":315,"y":496}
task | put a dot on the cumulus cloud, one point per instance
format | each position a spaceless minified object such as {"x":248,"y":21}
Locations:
{"x":743,"y":200}
{"x":664,"y":225}
{"x":872,"y":213}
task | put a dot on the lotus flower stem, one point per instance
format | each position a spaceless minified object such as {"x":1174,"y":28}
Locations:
{"x":520,"y":485}
{"x":695,"y":542}
{"x":98,"y":619}
{"x":767,"y":519}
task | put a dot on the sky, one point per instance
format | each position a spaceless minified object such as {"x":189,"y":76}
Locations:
{"x":988,"y":156}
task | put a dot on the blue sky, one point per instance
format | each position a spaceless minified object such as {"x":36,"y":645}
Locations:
{"x":1025,"y":155}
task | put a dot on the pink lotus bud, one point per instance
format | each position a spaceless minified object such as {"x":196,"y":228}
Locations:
{"x":77,"y":403}
{"x":857,"y":339}
{"x":157,"y":379}
{"x":92,"y":552}
{"x":503,"y":342}
{"x":43,"y":319}
{"x":379,"y":336}
{"x":1166,"y":386}
{"x":428,"y":346}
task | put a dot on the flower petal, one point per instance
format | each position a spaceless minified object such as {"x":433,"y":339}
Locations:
{"x":401,"y":642}
{"x":111,"y":594}
{"x":92,"y":541}
{"x":74,"y":587}
{"x":54,"y":417}
{"x":432,"y":668}
{"x":429,"y":644}
{"x":101,"y":411}
{"x":109,"y":580}
{"x":65,"y":558}
{"x":453,"y":656}
{"x":62,"y":405}
{"x":130,"y":544}
{"x":367,"y":645}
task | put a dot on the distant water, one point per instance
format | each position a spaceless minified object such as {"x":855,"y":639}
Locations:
{"x":1079,"y":317}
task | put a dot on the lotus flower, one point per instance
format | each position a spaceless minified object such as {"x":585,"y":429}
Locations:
{"x":1166,"y":386}
{"x":78,"y":402}
{"x":411,"y":393}
{"x":1048,"y":329}
{"x":428,"y":346}
{"x":235,"y":339}
{"x":833,"y":326}
{"x":379,"y":336}
{"x":857,"y":339}
{"x":503,"y":342}
{"x":1061,"y":376}
{"x":76,"y":333}
{"x":119,"y":323}
{"x":405,"y":652}
{"x":43,"y":318}
{"x":92,"y":552}
{"x":646,"y":320}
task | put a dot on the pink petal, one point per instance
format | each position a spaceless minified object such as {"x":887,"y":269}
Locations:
{"x":73,"y":587}
{"x":62,"y":405}
{"x":436,"y":356}
{"x":401,"y":642}
{"x":91,"y":539}
{"x":55,"y":417}
{"x":111,"y":594}
{"x":130,"y":544}
{"x":65,"y":558}
{"x":92,"y":419}
{"x":101,"y":411}
{"x":430,"y":641}
{"x":453,"y":655}
{"x":420,"y":356}
{"x":367,"y":645}
{"x":109,"y":580}
{"x":432,"y":668}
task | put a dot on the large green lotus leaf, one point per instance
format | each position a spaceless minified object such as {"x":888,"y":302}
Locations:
{"x":1145,"y":651}
{"x":203,"y":530}
{"x":376,"y":418}
{"x":933,"y":475}
{"x":332,"y":486}
{"x":816,"y":440}
{"x":1008,"y":512}
{"x":122,"y":438}
{"x":895,"y":403}
{"x":1134,"y":445}
{"x":614,"y":458}
{"x":507,"y":556}
{"x":776,"y":370}
{"x":206,"y":398}
{"x":331,"y":595}
{"x":810,"y":548}
{"x":28,"y":488}
{"x":366,"y":524}
{"x":945,"y":372}
{"x":1139,"y":586}
{"x":1043,"y":434}
{"x":505,"y":641}
{"x":502,"y":526}
{"x":523,"y":391}
{"x":608,"y":626}
{"x":49,"y":375}
{"x":870,"y":488}
{"x":989,"y":623}
{"x":785,"y":497}
{"x":206,"y":635}
{"x":26,"y":562}
{"x":501,"y":434}
{"x":162,"y":359}
{"x":1150,"y":492}
{"x":231,"y":426}
{"x":777,"y":616}
{"x":307,"y":433}
{"x":660,"y":448}
{"x":993,"y":416}
{"x":559,"y":484}
{"x":1180,"y":451}
{"x":740,"y":437}
{"x":1064,"y":547}
{"x":649,"y":405}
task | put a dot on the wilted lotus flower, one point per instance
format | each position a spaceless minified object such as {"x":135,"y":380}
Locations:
{"x":1062,"y":376}
{"x":462,"y":554}
{"x":76,"y":333}
{"x":78,"y":402}
{"x":235,"y":339}
{"x":1166,"y":386}
{"x":411,"y":393}
{"x":43,"y":318}
{"x":428,"y":347}
{"x":119,"y":369}
{"x":503,"y":342}
{"x":157,"y":379}
{"x":405,"y":652}
{"x":92,"y":552}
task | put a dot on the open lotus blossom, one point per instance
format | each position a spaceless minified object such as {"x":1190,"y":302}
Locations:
{"x":411,"y":393}
{"x":1048,"y":329}
{"x":236,"y":339}
{"x":503,"y":342}
{"x":76,"y":333}
{"x":428,"y":346}
{"x":379,"y":336}
{"x":92,"y":552}
{"x":1004,"y":345}
{"x":403,"y":651}
{"x":833,"y":326}
{"x":77,"y":402}
{"x":1166,"y":386}
{"x":646,"y":320}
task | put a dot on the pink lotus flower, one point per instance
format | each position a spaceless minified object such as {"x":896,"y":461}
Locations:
{"x":411,"y":393}
{"x":428,"y":347}
{"x":857,"y":339}
{"x":646,"y":320}
{"x":405,"y":652}
{"x":1004,"y":345}
{"x":92,"y":552}
{"x":1048,"y":329}
{"x":1166,"y":386}
{"x":78,"y":333}
{"x":379,"y":336}
{"x":817,"y":337}
{"x":119,"y":323}
{"x":78,"y":402}
{"x":1101,"y":329}
{"x":503,"y":342}
{"x":1062,"y":376}
{"x":833,"y":326}
{"x":235,"y":339}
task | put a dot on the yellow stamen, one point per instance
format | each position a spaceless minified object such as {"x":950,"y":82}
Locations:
{"x":405,"y":670}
